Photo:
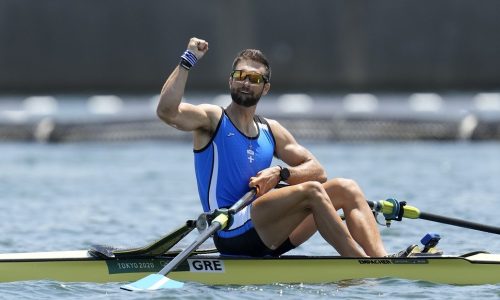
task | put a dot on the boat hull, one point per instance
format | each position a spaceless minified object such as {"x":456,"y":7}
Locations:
{"x":79,"y":266}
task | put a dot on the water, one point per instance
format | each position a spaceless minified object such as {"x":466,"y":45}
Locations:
{"x":68,"y":196}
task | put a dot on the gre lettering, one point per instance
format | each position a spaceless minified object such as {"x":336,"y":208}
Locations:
{"x":206,"y":265}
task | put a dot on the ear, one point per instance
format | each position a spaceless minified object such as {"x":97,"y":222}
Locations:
{"x":266,"y":89}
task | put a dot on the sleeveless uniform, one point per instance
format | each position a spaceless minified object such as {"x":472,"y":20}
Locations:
{"x":223,"y":170}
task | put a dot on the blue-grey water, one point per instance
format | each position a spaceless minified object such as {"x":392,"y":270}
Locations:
{"x":69,"y":196}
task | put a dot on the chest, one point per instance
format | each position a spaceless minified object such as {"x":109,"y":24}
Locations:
{"x":235,"y":147}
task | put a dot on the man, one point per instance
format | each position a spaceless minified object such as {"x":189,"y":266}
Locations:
{"x":233,"y":151}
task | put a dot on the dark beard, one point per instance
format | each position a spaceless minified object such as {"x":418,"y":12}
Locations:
{"x":246,"y":100}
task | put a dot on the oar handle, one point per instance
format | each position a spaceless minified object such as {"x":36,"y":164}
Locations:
{"x":243,"y":202}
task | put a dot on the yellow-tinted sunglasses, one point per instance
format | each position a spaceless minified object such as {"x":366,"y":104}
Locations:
{"x":253,"y":77}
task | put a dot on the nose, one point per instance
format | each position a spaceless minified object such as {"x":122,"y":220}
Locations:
{"x":246,"y":82}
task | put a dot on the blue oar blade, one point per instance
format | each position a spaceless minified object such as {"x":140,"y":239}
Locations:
{"x":153,"y":282}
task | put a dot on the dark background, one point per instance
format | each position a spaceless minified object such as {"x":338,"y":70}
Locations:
{"x":320,"y":45}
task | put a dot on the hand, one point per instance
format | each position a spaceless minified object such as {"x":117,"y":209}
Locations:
{"x":198,"y":46}
{"x":265,"y":180}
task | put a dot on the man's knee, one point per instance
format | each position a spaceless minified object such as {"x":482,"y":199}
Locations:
{"x":313,"y":191}
{"x":313,"y":187}
{"x":348,"y":188}
{"x":349,"y":185}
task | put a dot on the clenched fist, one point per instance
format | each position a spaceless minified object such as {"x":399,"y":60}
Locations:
{"x":198,"y":46}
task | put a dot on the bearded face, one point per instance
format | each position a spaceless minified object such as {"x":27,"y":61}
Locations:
{"x":245,"y":96}
{"x":248,"y":82}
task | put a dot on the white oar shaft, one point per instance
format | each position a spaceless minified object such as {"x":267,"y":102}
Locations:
{"x":199,"y":240}
{"x":159,"y":280}
{"x":218,"y":223}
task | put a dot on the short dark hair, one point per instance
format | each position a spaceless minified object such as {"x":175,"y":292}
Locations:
{"x":255,"y":55}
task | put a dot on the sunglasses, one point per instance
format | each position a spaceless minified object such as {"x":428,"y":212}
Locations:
{"x":253,"y":77}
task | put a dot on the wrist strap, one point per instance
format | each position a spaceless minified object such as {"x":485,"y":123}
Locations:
{"x":188,"y":60}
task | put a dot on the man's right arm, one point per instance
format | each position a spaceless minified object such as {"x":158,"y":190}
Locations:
{"x":183,"y":116}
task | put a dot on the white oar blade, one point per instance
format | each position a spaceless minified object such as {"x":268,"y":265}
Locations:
{"x":153,"y":282}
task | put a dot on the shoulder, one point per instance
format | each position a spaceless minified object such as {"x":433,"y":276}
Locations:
{"x":207,"y":116}
{"x":204,"y":134}
{"x":287,"y":147}
{"x":282,"y":137}
{"x":210,"y":109}
{"x":272,"y":123}
{"x":213,"y":112}
{"x":279,"y":131}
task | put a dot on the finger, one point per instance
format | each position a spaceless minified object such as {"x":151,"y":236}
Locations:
{"x":193,"y":42}
{"x":255,"y":185}
{"x":202,"y":45}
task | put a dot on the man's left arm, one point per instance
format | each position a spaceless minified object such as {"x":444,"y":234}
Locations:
{"x":302,"y":164}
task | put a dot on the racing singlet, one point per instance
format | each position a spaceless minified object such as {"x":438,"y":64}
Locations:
{"x":224,"y":167}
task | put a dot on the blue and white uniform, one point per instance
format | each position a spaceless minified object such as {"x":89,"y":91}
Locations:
{"x":224,"y":167}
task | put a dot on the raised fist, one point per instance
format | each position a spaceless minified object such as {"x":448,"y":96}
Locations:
{"x":198,"y":46}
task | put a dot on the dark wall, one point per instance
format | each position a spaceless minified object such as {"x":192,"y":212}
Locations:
{"x":132,"y":45}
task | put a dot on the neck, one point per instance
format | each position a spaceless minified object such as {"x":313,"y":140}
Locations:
{"x":242,"y":117}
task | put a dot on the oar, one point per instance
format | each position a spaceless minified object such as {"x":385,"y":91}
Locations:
{"x":395,"y":210}
{"x":160,"y":280}
{"x":159,"y":246}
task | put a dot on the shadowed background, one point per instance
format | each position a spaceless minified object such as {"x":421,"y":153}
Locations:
{"x":323,"y":45}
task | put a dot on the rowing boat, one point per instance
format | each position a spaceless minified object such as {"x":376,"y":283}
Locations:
{"x":149,"y":265}
{"x":85,"y":266}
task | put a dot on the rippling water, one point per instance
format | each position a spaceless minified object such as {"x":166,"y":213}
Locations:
{"x":68,"y":196}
